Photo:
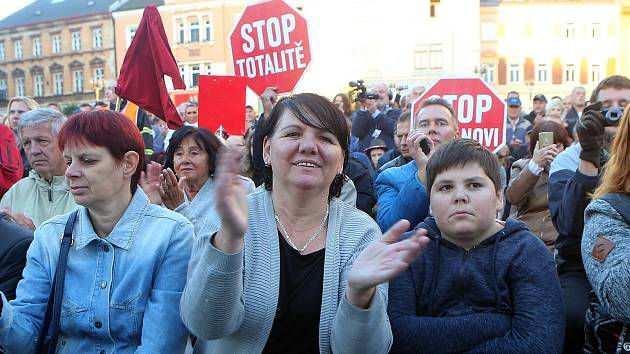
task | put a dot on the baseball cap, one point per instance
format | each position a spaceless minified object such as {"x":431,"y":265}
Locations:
{"x":540,"y":97}
{"x":513,"y":101}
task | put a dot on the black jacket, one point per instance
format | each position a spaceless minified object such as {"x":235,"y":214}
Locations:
{"x":14,"y":242}
{"x":360,"y":176}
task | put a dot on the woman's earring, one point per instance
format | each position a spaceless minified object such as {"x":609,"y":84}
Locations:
{"x":268,"y":163}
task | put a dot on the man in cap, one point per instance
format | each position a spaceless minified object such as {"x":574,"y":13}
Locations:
{"x":538,"y":108}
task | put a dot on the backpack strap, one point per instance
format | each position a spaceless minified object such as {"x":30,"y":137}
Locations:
{"x":50,"y":325}
{"x":620,"y":202}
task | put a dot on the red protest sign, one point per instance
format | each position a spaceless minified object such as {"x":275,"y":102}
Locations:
{"x":222,"y":103}
{"x":480,"y":112}
{"x":270,"y":46}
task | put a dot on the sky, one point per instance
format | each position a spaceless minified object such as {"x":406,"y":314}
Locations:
{"x":8,"y":7}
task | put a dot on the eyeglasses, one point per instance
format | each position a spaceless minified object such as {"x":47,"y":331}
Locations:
{"x":16,"y":111}
{"x":191,"y":112}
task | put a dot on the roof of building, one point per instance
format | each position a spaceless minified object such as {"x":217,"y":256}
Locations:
{"x":138,"y":4}
{"x":51,"y":10}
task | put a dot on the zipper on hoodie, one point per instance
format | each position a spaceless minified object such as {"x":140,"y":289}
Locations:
{"x":50,"y":193}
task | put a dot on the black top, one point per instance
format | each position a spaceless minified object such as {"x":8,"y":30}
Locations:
{"x":296,"y":325}
{"x":14,"y":242}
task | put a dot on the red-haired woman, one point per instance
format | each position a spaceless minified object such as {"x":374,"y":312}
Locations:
{"x":126,"y":266}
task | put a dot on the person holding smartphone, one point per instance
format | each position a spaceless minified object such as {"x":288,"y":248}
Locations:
{"x":527,"y":190}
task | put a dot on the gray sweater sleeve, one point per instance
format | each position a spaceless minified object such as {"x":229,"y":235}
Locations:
{"x":610,"y":278}
{"x":357,"y":330}
{"x":212,"y":303}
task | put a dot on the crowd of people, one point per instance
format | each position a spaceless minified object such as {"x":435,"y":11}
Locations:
{"x":328,"y":226}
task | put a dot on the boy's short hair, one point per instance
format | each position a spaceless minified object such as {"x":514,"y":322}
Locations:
{"x":459,"y":152}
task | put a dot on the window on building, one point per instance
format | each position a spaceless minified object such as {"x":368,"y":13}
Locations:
{"x":515,"y":73}
{"x":3,"y":89}
{"x":435,"y":56}
{"x":56,"y":43}
{"x":181,"y":33}
{"x":569,"y":73}
{"x":488,"y":31}
{"x":2,"y":54}
{"x":38,"y":85}
{"x":433,"y":7}
{"x":596,"y":73}
{"x":208,"y":69}
{"x":76,"y":40}
{"x":568,"y":30}
{"x":194,"y":31}
{"x":195,"y":71}
{"x":421,"y":57}
{"x":58,"y":83}
{"x":542,"y":73}
{"x":596,"y":30}
{"x":17,"y":46}
{"x":77,"y":81}
{"x":182,"y":73}
{"x":130,"y":33}
{"x":99,"y":73}
{"x":97,"y":38}
{"x":19,"y":86}
{"x":37,"y":46}
{"x":487,"y":73}
{"x":207,"y":30}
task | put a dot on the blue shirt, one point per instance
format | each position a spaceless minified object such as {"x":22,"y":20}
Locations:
{"x":121,"y":292}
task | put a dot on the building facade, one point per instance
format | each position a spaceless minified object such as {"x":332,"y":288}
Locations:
{"x":52,"y":51}
{"x":198,"y":33}
{"x":550,"y":46}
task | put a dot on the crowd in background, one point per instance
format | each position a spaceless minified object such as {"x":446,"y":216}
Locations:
{"x":519,"y":251}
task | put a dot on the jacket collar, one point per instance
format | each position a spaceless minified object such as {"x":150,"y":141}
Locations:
{"x":125,"y":230}
{"x":57,"y":181}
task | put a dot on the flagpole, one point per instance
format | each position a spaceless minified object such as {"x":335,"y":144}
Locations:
{"x":117,"y":104}
{"x":221,"y":131}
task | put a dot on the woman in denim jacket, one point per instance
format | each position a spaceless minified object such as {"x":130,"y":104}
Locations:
{"x":127,"y":264}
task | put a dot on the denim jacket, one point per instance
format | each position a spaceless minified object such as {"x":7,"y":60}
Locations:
{"x":121,"y":293}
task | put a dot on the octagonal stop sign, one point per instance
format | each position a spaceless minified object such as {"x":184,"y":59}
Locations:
{"x":270,"y":46}
{"x":480,"y":112}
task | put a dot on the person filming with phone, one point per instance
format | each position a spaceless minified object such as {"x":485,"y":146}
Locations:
{"x":401,"y":190}
{"x":527,"y":190}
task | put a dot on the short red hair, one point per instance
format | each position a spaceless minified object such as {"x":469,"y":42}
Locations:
{"x":109,"y":129}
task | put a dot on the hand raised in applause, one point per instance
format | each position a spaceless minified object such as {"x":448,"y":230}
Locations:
{"x":171,"y":190}
{"x":231,"y":201}
{"x":150,"y":182}
{"x":383,"y":260}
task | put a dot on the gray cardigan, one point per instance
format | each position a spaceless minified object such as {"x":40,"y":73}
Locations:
{"x":230,"y":299}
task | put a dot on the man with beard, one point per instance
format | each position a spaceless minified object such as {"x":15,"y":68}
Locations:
{"x":573,"y":176}
{"x":376,"y":120}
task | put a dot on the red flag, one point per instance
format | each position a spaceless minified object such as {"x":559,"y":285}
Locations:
{"x":222,"y":103}
{"x":147,"y":60}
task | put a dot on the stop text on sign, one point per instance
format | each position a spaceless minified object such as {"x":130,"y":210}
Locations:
{"x":269,"y":33}
{"x":469,"y":109}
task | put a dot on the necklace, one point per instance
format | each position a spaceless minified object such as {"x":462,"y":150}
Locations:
{"x":288,"y":238}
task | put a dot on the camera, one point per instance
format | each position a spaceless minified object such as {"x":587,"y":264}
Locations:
{"x":359,"y":91}
{"x":612,"y":115}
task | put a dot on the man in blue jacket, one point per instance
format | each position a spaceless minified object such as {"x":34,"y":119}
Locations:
{"x":376,"y":120}
{"x":573,"y":176}
{"x":400,"y":191}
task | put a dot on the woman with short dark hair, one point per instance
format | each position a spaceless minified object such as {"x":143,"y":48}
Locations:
{"x":125,"y":267}
{"x":290,"y":267}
